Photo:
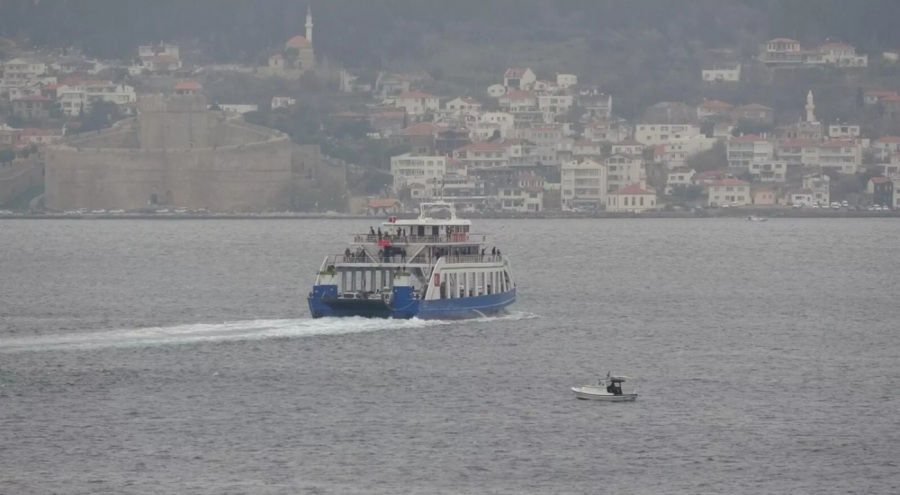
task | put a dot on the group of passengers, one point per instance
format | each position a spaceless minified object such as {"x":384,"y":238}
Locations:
{"x":378,"y":235}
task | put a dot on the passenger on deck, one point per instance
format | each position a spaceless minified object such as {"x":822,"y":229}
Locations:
{"x":371,"y":231}
{"x":493,"y":252}
{"x":379,"y":233}
{"x":347,"y":254}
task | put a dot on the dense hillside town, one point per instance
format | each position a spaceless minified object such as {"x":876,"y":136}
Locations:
{"x":529,"y":142}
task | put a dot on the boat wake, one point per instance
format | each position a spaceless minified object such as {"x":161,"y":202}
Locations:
{"x":229,"y":331}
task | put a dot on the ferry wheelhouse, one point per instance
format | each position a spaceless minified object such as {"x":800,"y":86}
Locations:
{"x":432,"y":267}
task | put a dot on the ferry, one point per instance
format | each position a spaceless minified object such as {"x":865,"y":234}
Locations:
{"x":430,"y":267}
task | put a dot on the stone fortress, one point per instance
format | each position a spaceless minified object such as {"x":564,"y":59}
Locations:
{"x":176,"y":153}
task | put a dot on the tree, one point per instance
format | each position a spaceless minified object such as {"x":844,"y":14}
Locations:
{"x":747,"y":127}
{"x":7,"y":155}
{"x":711,"y":159}
{"x":101,"y":115}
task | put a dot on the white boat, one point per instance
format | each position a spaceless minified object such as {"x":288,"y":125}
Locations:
{"x":754,"y":218}
{"x":607,"y":389}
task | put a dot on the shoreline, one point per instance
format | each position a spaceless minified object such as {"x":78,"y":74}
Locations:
{"x":545,"y":215}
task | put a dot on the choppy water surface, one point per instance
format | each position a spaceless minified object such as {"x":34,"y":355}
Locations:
{"x":178,"y":357}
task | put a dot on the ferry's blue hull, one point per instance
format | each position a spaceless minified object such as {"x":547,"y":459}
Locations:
{"x":436,"y":309}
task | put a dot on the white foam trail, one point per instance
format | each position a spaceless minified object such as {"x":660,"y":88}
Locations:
{"x":229,"y":331}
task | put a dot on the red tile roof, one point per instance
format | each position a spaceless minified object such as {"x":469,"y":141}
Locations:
{"x":32,"y":98}
{"x":415,"y":95}
{"x":297,"y":42}
{"x":483,"y":146}
{"x":783,"y":40}
{"x":797,"y":142}
{"x":837,"y":144}
{"x":162,"y":58}
{"x":749,"y":138}
{"x":880,"y":180}
{"x":188,"y":86}
{"x":382,"y":203}
{"x":753,"y":106}
{"x":420,"y":129}
{"x":515,"y":72}
{"x":633,"y":190}
{"x":729,"y":182}
{"x":888,"y":139}
{"x":880,"y":93}
{"x":628,"y":142}
{"x":518,"y":94}
{"x":715,"y":104}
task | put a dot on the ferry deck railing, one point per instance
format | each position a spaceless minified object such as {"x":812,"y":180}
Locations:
{"x":459,"y":237}
{"x":341,"y":259}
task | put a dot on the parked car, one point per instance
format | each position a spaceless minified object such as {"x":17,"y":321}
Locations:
{"x":835,"y":206}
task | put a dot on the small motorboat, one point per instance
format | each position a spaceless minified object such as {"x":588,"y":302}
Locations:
{"x":754,"y":218}
{"x":607,"y":389}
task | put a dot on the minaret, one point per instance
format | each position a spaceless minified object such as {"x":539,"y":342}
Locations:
{"x":810,"y":108}
{"x":309,"y":24}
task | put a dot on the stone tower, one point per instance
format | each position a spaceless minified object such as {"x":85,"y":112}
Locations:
{"x":810,"y":108}
{"x":309,"y":23}
{"x":179,"y":121}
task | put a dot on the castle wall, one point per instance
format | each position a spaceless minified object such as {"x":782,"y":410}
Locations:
{"x":175,"y":122}
{"x":121,"y":137}
{"x":17,"y":181}
{"x":229,"y":134}
{"x":247,"y":177}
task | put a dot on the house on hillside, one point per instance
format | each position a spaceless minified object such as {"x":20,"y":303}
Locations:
{"x":379,"y":207}
{"x":416,"y":103}
{"x":522,"y":78}
{"x":633,"y":198}
{"x":714,"y":109}
{"x":727,"y":72}
{"x":732,"y":192}
{"x":754,"y":112}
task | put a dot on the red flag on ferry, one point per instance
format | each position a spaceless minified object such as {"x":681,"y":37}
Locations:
{"x":392,"y":219}
{"x":384,"y":243}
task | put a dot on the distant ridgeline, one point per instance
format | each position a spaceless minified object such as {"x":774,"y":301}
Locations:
{"x":381,"y":31}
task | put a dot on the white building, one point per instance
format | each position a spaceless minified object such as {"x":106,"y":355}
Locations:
{"x":553,"y":105}
{"x":624,"y":170}
{"x":417,"y":103}
{"x":162,"y":58}
{"x":463,"y":107}
{"x":722,"y":73}
{"x":843,"y":55}
{"x":674,"y":154}
{"x":769,"y":170}
{"x":518,"y":101}
{"x":583,"y":184}
{"x":633,"y":198}
{"x":607,"y":130}
{"x":409,"y":169}
{"x":819,"y":187}
{"x":519,"y":78}
{"x":20,"y":71}
{"x":654,"y":134}
{"x":733,"y":192}
{"x":745,"y":149}
{"x":74,"y":100}
{"x":483,"y":155}
{"x":496,"y":90}
{"x":491,"y":122}
{"x":840,"y":156}
{"x":566,"y":80}
{"x":282,"y":102}
{"x":885,"y":146}
{"x":679,"y":178}
{"x":714,"y":109}
{"x":843,"y":131}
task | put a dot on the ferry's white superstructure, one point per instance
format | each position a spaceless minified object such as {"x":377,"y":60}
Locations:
{"x":433,"y":266}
